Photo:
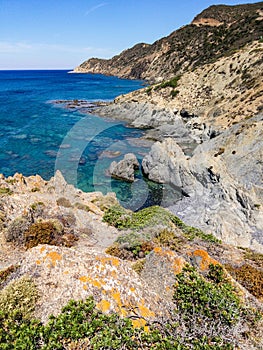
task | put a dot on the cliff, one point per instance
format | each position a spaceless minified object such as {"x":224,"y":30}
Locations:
{"x":214,"y":33}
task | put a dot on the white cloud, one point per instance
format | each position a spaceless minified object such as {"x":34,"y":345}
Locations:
{"x":10,"y":47}
{"x":24,"y":47}
{"x":94,"y":8}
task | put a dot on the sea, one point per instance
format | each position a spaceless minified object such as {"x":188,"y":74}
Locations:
{"x":39,"y":135}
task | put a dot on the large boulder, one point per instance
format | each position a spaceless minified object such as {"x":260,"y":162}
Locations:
{"x":125,"y":168}
{"x":61,"y":274}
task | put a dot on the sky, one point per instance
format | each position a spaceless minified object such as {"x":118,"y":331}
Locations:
{"x":61,"y":34}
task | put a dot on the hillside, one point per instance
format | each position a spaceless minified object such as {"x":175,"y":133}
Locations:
{"x":214,"y":33}
{"x":160,"y":284}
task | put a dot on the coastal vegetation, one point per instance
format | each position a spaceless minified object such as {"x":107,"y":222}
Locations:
{"x":208,"y":315}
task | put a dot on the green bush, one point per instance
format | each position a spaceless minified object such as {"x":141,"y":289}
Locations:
{"x":79,"y":320}
{"x":215,"y":301}
{"x":149,"y":217}
{"x":170,"y":83}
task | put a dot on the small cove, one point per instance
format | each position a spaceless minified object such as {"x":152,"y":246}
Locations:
{"x":36,"y":137}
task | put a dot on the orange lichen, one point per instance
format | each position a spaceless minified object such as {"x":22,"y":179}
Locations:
{"x":42,"y":249}
{"x":132,"y":289}
{"x":144,"y":311}
{"x":103,"y":305}
{"x":84,"y":279}
{"x":95,"y":282}
{"x":38,"y":262}
{"x":157,"y":250}
{"x":177,"y":262}
{"x":54,"y":257}
{"x":206,"y":260}
{"x":109,"y":260}
{"x":178,"y":265}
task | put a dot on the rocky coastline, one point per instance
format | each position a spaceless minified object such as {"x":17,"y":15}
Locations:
{"x":79,"y":271}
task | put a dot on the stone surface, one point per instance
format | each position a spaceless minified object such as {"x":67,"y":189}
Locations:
{"x":222,"y":181}
{"x":125,"y":168}
{"x":61,"y":274}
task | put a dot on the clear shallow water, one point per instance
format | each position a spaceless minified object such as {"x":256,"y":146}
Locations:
{"x":37,"y":137}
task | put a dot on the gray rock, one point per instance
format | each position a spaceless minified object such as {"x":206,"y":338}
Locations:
{"x":223,"y":181}
{"x":125,"y":168}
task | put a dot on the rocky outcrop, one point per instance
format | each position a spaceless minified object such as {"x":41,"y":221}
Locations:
{"x":217,"y":30}
{"x":208,"y":99}
{"x":125,"y":168}
{"x":62,"y":274}
{"x":70,"y":216}
{"x":222,"y":182}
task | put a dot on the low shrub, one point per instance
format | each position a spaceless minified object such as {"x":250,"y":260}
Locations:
{"x":248,"y":276}
{"x":149,"y":217}
{"x":19,"y":296}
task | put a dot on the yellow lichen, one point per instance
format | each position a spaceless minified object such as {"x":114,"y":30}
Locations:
{"x":54,"y":257}
{"x":116,"y":296}
{"x":144,"y":311}
{"x":109,"y":260}
{"x":140,"y":323}
{"x":103,"y":305}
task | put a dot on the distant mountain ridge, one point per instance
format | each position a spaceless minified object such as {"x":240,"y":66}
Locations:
{"x":215,"y":32}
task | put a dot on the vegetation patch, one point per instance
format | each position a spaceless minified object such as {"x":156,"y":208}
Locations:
{"x":138,"y":266}
{"x":5,"y":191}
{"x":19,"y":296}
{"x":206,"y":317}
{"x":5,"y":273}
{"x":169,"y":83}
{"x":149,"y":217}
{"x":47,"y":232}
{"x":254,"y":256}
{"x":250,"y":277}
{"x":79,"y":322}
{"x":64,"y":202}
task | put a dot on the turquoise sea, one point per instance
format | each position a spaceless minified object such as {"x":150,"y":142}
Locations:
{"x":38,"y":137}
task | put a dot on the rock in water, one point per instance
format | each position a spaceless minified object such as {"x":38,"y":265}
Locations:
{"x":125,"y":168}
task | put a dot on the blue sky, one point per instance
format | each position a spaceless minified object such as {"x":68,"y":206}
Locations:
{"x":50,"y":34}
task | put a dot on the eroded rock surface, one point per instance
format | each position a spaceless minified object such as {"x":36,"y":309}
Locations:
{"x":125,"y":168}
{"x":222,"y":181}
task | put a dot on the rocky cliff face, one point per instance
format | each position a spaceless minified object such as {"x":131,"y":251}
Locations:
{"x":212,"y":34}
{"x":222,"y":182}
{"x":217,"y":106}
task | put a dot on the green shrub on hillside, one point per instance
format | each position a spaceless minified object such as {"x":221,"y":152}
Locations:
{"x":149,"y":217}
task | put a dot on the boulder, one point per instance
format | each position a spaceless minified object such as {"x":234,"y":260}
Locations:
{"x":61,"y":274}
{"x":125,"y":168}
